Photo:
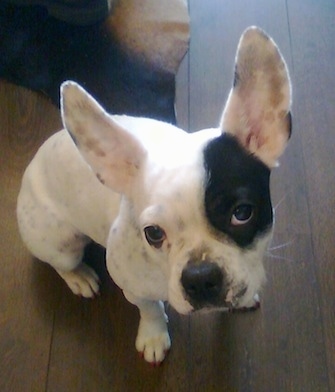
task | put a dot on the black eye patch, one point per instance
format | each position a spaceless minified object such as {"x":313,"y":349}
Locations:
{"x":237,"y":194}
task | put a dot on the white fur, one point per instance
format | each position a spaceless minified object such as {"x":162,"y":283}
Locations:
{"x":135,"y":173}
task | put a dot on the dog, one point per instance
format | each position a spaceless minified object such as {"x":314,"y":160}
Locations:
{"x":185,"y":217}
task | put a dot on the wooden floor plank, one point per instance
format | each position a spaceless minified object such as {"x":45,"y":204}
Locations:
{"x":215,"y":29}
{"x":274,"y":340}
{"x":313,"y":45}
{"x":25,"y":323}
{"x":183,"y":94}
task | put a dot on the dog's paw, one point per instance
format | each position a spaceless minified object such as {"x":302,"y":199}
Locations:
{"x":153,"y":341}
{"x":83,"y":281}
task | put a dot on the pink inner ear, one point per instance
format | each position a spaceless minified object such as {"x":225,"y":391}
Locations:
{"x":253,"y":140}
{"x":250,"y":132}
{"x":259,"y":101}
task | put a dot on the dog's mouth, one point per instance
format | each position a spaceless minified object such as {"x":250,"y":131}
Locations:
{"x":228,"y":302}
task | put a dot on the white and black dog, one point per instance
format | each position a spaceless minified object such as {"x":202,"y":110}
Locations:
{"x":185,"y":218}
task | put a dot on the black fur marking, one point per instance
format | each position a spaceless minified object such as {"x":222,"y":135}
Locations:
{"x":75,"y":141}
{"x":289,"y":124}
{"x":236,"y":80}
{"x":235,"y":177}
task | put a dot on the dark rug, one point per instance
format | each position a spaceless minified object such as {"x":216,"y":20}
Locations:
{"x":39,"y":52}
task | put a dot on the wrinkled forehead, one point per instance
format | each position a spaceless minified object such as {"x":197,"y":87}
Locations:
{"x":181,"y":152}
{"x":180,"y":185}
{"x":177,"y":176}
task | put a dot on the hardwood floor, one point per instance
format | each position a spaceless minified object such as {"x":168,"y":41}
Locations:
{"x":51,"y":340}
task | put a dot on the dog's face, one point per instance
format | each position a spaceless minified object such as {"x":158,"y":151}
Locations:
{"x":196,"y":206}
{"x":206,"y":218}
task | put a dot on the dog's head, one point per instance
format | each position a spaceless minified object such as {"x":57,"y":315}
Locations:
{"x":196,"y":206}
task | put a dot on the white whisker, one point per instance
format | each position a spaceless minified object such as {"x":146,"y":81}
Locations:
{"x":281,"y":200}
{"x":279,"y":257}
{"x":284,"y":245}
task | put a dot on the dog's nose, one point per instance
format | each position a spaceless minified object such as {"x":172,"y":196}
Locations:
{"x":202,"y":283}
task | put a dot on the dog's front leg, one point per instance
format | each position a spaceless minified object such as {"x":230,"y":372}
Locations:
{"x":153,"y":340}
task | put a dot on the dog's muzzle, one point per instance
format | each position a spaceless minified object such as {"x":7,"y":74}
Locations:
{"x":205,"y":285}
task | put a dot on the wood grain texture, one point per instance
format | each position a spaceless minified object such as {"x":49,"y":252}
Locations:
{"x":313,"y":29}
{"x":52,"y":341}
{"x":25,"y":330}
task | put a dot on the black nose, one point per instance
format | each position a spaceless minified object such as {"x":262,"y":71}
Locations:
{"x":202,"y":283}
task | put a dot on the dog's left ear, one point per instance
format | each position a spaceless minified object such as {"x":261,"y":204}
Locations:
{"x":258,"y":107}
{"x":113,"y":153}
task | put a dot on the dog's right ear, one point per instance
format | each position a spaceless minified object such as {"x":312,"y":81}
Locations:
{"x":113,"y":153}
{"x":257,"y":112}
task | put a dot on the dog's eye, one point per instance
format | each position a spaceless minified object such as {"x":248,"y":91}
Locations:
{"x":155,"y":236}
{"x":242,"y":214}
